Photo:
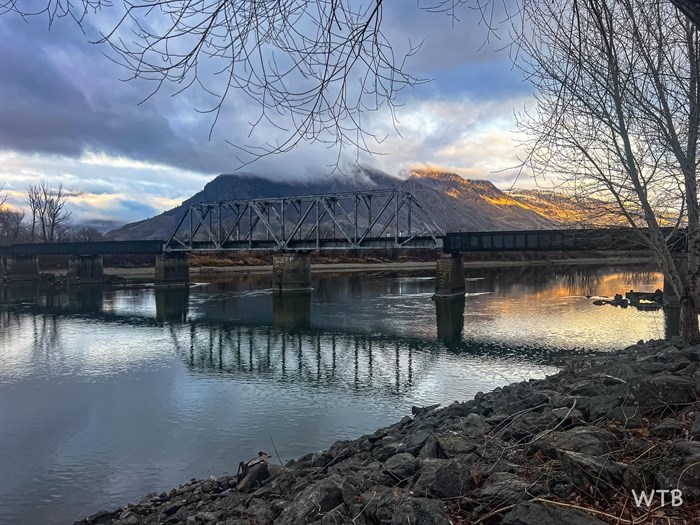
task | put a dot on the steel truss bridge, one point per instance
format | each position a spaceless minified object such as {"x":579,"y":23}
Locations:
{"x":379,"y":219}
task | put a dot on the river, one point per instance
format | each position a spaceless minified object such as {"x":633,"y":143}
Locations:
{"x":107,"y":394}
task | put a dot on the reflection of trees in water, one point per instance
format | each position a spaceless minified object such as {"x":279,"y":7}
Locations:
{"x":45,"y":331}
{"x":552,"y":280}
{"x":644,"y":277}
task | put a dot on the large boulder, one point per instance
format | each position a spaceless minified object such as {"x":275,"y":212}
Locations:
{"x":444,"y":478}
{"x":402,"y":466}
{"x":585,"y":439}
{"x":680,"y":469}
{"x":316,"y":499}
{"x":657,"y":392}
{"x":584,"y":469}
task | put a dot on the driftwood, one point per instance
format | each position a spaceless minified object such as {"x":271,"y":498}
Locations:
{"x":244,"y":467}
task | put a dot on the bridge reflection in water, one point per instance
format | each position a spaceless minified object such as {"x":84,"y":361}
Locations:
{"x":315,"y":337}
{"x":288,"y":350}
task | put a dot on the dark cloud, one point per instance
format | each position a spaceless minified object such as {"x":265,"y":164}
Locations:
{"x":60,"y":96}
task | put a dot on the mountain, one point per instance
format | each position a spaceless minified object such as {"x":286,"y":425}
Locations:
{"x":569,"y":210}
{"x":454,"y":202}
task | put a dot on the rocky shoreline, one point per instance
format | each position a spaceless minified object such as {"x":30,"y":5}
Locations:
{"x":578,"y":448}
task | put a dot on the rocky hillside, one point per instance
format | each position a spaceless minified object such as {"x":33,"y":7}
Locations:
{"x":455,"y":203}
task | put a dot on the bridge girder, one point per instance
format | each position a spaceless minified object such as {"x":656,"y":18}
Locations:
{"x":377,"y":219}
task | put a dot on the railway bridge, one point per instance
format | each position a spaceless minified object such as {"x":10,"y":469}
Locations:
{"x":293,"y":227}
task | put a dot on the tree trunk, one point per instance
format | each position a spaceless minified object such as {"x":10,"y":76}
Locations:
{"x":689,"y":321}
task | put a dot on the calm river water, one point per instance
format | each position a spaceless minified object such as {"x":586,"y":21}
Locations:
{"x":109,"y":394}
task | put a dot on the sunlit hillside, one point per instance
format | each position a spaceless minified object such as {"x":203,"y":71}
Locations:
{"x":566,"y":209}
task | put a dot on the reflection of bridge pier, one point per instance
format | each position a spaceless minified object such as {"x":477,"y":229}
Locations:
{"x":172,"y":303}
{"x":17,"y":268}
{"x":85,"y":298}
{"x":292,"y":310}
{"x":23,"y":291}
{"x":450,"y":318}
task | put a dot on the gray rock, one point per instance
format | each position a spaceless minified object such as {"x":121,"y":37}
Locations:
{"x":667,"y":428}
{"x":567,"y":413}
{"x":659,"y":391}
{"x":475,"y":422}
{"x":602,"y":405}
{"x":502,"y":487}
{"x":378,"y":504}
{"x":172,"y":507}
{"x":420,"y":511}
{"x":336,"y":516}
{"x":261,"y":512}
{"x":103,"y":516}
{"x":531,"y":513}
{"x":402,"y":466}
{"x":415,"y":440}
{"x":383,"y":453}
{"x":312,"y":501}
{"x":455,"y":445}
{"x":444,"y":478}
{"x":431,"y":449}
{"x":680,"y":468}
{"x":695,"y":429}
{"x":587,"y":440}
{"x":629,"y":416}
{"x":584,"y":469}
{"x":418,"y":411}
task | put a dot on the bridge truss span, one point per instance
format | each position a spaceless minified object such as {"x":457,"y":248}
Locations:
{"x":377,"y":219}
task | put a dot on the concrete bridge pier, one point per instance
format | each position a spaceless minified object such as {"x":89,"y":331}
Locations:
{"x":20,"y":268}
{"x":291,"y":272}
{"x":172,"y":269}
{"x":449,"y":276}
{"x":85,"y":269}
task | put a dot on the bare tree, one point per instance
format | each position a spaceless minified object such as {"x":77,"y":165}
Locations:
{"x":618,"y":116}
{"x":11,"y":225}
{"x":10,"y":220}
{"x":84,"y":234}
{"x":47,"y":208}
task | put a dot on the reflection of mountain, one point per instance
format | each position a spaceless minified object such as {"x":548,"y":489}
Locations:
{"x":455,"y":203}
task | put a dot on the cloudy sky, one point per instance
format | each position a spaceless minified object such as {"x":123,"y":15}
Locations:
{"x":68,"y":116}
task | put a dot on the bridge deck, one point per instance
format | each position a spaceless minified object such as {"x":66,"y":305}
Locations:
{"x":86,"y":248}
{"x":596,"y":240}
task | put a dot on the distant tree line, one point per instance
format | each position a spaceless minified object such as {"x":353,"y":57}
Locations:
{"x":46,"y":219}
